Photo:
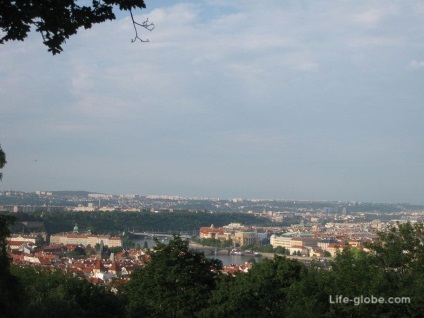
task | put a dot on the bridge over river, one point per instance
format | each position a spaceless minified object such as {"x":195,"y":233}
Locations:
{"x":224,"y":251}
{"x":151,"y":235}
{"x":196,"y":246}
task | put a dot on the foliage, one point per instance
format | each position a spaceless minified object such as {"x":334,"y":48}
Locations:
{"x":281,"y":250}
{"x":39,"y":240}
{"x":57,"y":20}
{"x":388,"y":270}
{"x":10,"y":294}
{"x":327,"y":254}
{"x":175,"y":282}
{"x":265,"y":248}
{"x":117,"y":222}
{"x":5,"y":222}
{"x":127,"y":243}
{"x":115,"y":249}
{"x":2,"y":160}
{"x":78,"y":251}
{"x":54,"y":294}
{"x":400,"y":249}
{"x":179,"y":282}
{"x":259,"y":293}
{"x":9,"y":288}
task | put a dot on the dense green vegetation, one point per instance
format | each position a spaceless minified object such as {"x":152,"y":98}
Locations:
{"x":54,"y":294}
{"x":2,"y":161}
{"x":118,"y":222}
{"x":178,"y":282}
{"x":9,"y":286}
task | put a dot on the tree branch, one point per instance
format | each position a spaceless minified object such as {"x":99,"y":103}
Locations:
{"x":145,"y":24}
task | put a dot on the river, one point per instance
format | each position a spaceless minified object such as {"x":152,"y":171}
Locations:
{"x":226,"y":259}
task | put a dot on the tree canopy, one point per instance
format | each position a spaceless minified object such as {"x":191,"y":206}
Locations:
{"x":2,"y":160}
{"x":179,"y":282}
{"x":57,"y":20}
{"x":5,"y":222}
{"x":9,"y":287}
{"x":176,"y":282}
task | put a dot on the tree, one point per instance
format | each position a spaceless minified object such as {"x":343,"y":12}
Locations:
{"x":327,"y":254}
{"x":399,"y":252}
{"x":115,"y":249}
{"x":262,"y":292}
{"x":9,"y":287}
{"x":401,"y":249}
{"x":2,"y":160}
{"x":78,"y":251}
{"x":280,"y":250}
{"x":5,"y":222}
{"x":176,"y":282}
{"x":57,"y":20}
{"x":55,"y":294}
{"x":39,"y":240}
{"x":267,"y":248}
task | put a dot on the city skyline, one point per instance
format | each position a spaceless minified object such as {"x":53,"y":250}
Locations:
{"x":280,"y":100}
{"x":96,"y":199}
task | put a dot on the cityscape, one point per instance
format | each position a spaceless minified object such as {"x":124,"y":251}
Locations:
{"x":305,"y":230}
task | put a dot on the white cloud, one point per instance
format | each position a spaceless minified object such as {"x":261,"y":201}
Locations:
{"x":374,"y":16}
{"x":414,"y":64}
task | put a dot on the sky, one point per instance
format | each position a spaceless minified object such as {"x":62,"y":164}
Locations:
{"x":274,"y":99}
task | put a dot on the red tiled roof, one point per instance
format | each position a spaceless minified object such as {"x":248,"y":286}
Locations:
{"x":44,"y":261}
{"x":99,"y":265}
{"x":95,"y":280}
{"x":16,"y":243}
{"x":114,"y":267}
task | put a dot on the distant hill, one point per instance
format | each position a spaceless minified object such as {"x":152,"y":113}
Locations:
{"x":72,"y":193}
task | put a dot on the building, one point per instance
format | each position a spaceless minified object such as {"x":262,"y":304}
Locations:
{"x":75,"y":238}
{"x":303,"y":242}
{"x":283,"y":241}
{"x":211,"y":232}
{"x":245,"y":238}
{"x":84,"y":239}
{"x":323,"y":244}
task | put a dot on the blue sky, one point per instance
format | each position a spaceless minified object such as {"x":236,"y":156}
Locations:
{"x":318,"y":100}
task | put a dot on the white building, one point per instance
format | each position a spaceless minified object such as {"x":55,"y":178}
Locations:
{"x":283,"y":241}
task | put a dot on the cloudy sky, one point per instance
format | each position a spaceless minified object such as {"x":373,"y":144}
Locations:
{"x":287,"y":99}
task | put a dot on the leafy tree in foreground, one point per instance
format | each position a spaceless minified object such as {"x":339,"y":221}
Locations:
{"x":262,"y":292}
{"x":5,"y":222}
{"x":9,"y":287}
{"x":401,"y":249}
{"x":176,"y":282}
{"x":391,"y":268}
{"x":57,"y":20}
{"x":2,"y":160}
{"x":54,"y":294}
{"x":400,"y":252}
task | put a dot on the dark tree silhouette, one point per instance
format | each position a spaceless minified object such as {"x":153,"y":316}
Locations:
{"x":176,"y":282}
{"x":2,"y":160}
{"x":57,"y":20}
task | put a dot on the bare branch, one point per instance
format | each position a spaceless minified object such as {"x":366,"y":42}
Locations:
{"x":145,"y":24}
